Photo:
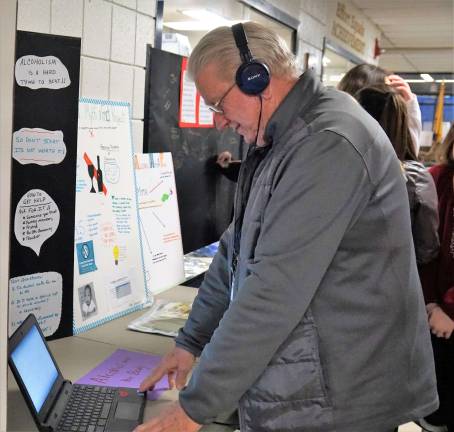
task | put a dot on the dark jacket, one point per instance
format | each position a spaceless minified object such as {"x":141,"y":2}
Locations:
{"x":438,"y":276}
{"x":322,"y":327}
{"x":422,"y":197}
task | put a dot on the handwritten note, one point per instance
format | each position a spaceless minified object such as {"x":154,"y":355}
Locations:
{"x":40,"y":294}
{"x":121,"y":209}
{"x":125,"y":369}
{"x":38,"y":146}
{"x":37,"y":218}
{"x":41,"y":72}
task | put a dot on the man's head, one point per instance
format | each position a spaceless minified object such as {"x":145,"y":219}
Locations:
{"x":213,"y":65}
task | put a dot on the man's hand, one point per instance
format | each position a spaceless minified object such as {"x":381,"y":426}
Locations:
{"x":173,"y":419}
{"x":440,"y":323}
{"x":176,"y":364}
{"x":400,"y":85}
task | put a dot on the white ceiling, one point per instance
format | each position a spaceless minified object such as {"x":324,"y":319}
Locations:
{"x":417,"y":35}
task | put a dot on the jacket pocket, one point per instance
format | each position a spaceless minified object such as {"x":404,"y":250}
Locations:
{"x":292,"y":389}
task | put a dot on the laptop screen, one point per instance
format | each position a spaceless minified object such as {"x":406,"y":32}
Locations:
{"x":35,"y":366}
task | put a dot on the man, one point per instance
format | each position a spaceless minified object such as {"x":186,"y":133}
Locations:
{"x":311,"y":316}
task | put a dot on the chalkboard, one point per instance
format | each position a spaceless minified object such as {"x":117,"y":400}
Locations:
{"x":43,"y":178}
{"x":205,"y":197}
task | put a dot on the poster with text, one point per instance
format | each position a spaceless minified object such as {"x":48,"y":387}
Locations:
{"x":159,"y":221}
{"x":109,"y":279}
{"x":43,"y":175}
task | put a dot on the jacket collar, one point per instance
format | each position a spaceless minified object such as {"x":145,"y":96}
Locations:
{"x":297,"y":101}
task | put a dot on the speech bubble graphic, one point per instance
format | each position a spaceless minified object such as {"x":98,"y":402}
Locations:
{"x":38,"y":146}
{"x":41,"y":72}
{"x":37,"y":293}
{"x":37,"y":218}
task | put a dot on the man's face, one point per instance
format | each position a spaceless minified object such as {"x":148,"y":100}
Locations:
{"x":240,"y":111}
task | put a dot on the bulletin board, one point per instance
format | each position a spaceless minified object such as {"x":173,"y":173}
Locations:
{"x":205,"y":197}
{"x":109,"y":276}
{"x":44,"y":149}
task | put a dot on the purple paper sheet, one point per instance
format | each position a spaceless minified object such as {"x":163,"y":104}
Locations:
{"x":126,"y":369}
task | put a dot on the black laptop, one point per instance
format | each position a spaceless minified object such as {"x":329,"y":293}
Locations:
{"x":55,"y":403}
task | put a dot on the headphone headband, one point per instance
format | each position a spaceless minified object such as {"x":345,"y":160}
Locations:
{"x":241,"y":42}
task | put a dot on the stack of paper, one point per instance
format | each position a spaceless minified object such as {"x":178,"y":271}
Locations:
{"x":164,"y":317}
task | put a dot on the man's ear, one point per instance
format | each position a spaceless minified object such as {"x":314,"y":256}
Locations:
{"x":267,"y":93}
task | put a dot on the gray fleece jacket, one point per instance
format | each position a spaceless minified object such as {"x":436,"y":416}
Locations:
{"x":322,"y":326}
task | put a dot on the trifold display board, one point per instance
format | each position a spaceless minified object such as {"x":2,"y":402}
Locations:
{"x":44,"y":146}
{"x":109,"y":278}
{"x":159,"y":221}
{"x":205,"y":197}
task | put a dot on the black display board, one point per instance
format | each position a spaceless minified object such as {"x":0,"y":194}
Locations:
{"x":205,"y":197}
{"x":52,"y":110}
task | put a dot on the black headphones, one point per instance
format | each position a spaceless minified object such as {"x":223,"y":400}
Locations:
{"x":252,"y":76}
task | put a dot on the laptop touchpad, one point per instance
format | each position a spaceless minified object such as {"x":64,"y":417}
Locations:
{"x":127,"y":411}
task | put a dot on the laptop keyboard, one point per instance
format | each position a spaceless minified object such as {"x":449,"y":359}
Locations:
{"x":87,"y":409}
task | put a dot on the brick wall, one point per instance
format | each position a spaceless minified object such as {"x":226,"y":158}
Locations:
{"x":114,"y":36}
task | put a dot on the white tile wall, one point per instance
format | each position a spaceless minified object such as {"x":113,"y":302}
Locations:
{"x":123,"y":35}
{"x":138,"y":94}
{"x":66,"y":18}
{"x":34,"y":15}
{"x":147,"y":7}
{"x":95,"y":78}
{"x":137,"y":136}
{"x":144,"y":36}
{"x":311,"y":31}
{"x":316,"y":8}
{"x":121,"y":82}
{"x":97,"y":29}
{"x":128,"y":3}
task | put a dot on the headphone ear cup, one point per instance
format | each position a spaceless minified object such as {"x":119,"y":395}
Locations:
{"x":253,"y":77}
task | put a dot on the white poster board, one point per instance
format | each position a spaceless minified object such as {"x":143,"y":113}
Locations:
{"x":159,"y":221}
{"x":108,"y":266}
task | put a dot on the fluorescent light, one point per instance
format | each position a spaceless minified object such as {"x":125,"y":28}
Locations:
{"x":426,"y":77}
{"x":202,"y":15}
{"x":203,"y":21}
{"x":445,"y":80}
{"x":415,"y":80}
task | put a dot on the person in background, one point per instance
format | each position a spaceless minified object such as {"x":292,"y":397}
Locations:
{"x":387,"y":106}
{"x":311,"y":316}
{"x":367,"y":75}
{"x":438,"y":286}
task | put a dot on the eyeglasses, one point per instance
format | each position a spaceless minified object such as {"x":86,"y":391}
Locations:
{"x":216,"y":107}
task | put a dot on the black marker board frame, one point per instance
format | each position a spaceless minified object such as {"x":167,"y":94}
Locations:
{"x":51,"y":110}
{"x":205,"y":197}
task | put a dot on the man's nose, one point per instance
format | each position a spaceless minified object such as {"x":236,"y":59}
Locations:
{"x":220,"y":121}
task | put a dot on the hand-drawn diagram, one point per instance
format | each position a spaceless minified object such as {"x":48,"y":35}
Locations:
{"x":108,"y":264}
{"x":159,"y":221}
